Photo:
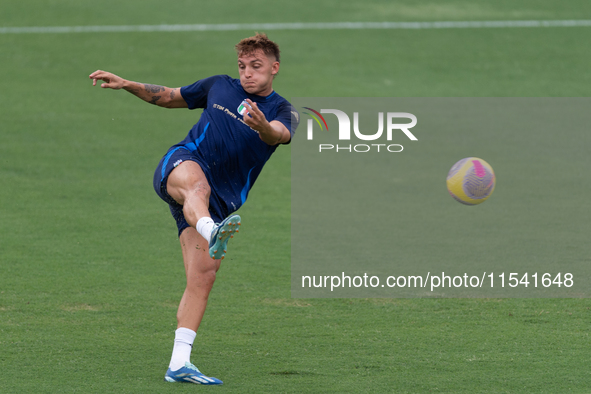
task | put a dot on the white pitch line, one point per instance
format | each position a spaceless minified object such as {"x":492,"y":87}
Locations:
{"x":293,"y":26}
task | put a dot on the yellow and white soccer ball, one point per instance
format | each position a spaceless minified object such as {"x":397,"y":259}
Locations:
{"x":471,"y":181}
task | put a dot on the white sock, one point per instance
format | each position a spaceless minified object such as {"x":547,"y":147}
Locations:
{"x":183,"y":343}
{"x":205,"y":227}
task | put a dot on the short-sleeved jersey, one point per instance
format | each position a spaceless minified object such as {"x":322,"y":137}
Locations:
{"x":231,"y":154}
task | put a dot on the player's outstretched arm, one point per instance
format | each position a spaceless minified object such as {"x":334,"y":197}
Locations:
{"x":153,"y":94}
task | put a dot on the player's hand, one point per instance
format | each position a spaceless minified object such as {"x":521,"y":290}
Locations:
{"x":111,"y":80}
{"x":271,"y":133}
{"x":255,"y":118}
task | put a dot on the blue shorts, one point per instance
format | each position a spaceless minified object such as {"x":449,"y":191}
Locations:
{"x":175,"y":156}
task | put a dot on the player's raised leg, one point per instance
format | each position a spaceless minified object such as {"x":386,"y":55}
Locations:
{"x":188,"y":185}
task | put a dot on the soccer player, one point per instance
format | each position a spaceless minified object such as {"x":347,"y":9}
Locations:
{"x":207,"y":176}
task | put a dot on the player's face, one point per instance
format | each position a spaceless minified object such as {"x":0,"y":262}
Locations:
{"x":256,"y":73}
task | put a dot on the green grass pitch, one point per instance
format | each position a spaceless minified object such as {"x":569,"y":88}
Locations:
{"x":90,"y":267}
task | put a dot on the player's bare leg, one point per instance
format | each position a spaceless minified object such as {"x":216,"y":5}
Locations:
{"x":188,"y":186}
{"x":201,"y":270}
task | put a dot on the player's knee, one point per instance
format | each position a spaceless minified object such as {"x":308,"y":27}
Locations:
{"x":202,"y":278}
{"x":187,"y":181}
{"x":202,"y":189}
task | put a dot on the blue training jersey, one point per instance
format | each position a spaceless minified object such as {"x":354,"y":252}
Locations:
{"x":230,"y":153}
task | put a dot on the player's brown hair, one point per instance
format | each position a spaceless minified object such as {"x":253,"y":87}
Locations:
{"x":259,"y":41}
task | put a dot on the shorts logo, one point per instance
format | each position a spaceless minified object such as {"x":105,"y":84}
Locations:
{"x":176,"y":163}
{"x":242,"y":107}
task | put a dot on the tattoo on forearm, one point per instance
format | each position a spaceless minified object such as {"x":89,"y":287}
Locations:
{"x":154,"y":99}
{"x":172,"y":94}
{"x":154,"y":88}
